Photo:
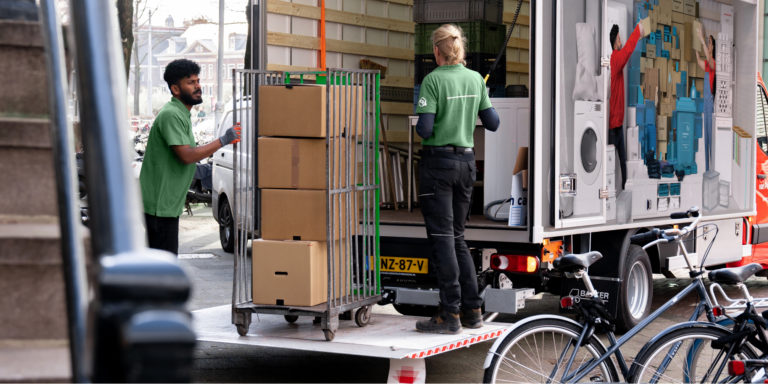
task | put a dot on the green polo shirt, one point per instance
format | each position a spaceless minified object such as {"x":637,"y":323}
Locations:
{"x":164,"y":178}
{"x":455,"y":95}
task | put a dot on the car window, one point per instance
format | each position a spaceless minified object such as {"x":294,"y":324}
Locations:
{"x":226,"y":122}
{"x":762,"y":119}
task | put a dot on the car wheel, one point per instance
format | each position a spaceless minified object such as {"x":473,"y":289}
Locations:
{"x":226,"y":226}
{"x":636,"y":290}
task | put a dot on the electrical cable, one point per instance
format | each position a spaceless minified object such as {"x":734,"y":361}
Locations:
{"x":506,"y":41}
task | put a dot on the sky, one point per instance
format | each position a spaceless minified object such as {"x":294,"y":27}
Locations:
{"x":190,"y":9}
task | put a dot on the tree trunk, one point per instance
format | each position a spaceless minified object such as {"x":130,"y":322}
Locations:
{"x":125,"y":19}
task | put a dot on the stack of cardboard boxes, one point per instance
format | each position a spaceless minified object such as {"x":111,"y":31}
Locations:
{"x":297,"y":163}
{"x":667,"y":60}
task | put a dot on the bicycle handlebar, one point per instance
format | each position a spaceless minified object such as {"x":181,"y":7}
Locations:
{"x":656,"y":235}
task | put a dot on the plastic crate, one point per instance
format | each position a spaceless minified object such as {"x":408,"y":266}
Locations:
{"x":482,"y":37}
{"x":396,"y":94}
{"x":480,"y":62}
{"x":456,"y":11}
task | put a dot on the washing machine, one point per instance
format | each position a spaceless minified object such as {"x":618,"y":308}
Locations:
{"x":589,"y":137}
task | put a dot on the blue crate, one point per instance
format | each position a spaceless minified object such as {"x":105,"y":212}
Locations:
{"x":663,"y":190}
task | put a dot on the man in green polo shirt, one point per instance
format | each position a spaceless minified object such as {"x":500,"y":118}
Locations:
{"x":171,"y":154}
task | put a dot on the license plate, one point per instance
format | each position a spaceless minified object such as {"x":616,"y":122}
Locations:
{"x":403,"y":264}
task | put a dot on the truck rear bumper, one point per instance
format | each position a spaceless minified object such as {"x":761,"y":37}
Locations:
{"x":507,"y":301}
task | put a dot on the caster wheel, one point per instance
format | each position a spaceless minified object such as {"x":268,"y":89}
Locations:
{"x":329,"y":335}
{"x":242,"y":329}
{"x":363,"y":316}
{"x":291,"y":318}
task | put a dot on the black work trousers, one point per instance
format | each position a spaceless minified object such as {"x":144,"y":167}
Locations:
{"x":163,"y":233}
{"x":616,"y":137}
{"x":445,"y":190}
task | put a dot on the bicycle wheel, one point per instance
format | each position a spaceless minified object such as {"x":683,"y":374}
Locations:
{"x":685,"y":355}
{"x":538,"y":352}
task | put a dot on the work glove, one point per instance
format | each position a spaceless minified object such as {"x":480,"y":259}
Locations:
{"x":231,"y":136}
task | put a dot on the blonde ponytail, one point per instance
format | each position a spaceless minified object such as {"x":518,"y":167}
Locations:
{"x":450,"y":42}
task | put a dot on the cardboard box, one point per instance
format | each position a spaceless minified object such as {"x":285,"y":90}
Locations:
{"x":521,"y":165}
{"x":295,"y":273}
{"x":650,"y":51}
{"x":300,"y":110}
{"x":678,"y":7}
{"x":650,"y":83}
{"x":690,"y":9}
{"x":646,"y":23}
{"x":661,"y":147}
{"x":661,"y":65}
{"x":300,"y":163}
{"x":299,"y":214}
{"x":662,"y":128}
{"x":291,"y":273}
{"x":679,"y":17}
{"x":664,"y":12}
{"x":686,"y":43}
{"x":696,"y":26}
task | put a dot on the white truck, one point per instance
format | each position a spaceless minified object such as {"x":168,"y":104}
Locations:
{"x":570,"y":199}
{"x":560,"y":180}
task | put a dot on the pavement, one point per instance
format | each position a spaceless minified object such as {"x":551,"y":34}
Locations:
{"x":211,"y":271}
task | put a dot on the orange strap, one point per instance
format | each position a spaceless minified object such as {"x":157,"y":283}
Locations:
{"x":322,"y":35}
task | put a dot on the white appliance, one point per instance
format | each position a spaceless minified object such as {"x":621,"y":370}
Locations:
{"x":501,"y":146}
{"x":589,"y":135}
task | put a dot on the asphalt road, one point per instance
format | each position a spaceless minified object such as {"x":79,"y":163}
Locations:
{"x":211,"y":271}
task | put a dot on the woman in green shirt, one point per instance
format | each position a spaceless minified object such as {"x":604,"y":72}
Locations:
{"x":450,"y":99}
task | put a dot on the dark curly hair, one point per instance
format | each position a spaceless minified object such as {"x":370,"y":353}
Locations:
{"x":613,"y":34}
{"x":179,"y":69}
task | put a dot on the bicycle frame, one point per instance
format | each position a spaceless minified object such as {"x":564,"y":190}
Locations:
{"x":704,"y":306}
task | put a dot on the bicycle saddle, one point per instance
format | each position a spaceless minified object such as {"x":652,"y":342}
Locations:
{"x":575,"y":261}
{"x":734,"y":275}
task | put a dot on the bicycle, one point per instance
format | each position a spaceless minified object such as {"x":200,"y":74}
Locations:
{"x":734,"y":352}
{"x":549,"y":348}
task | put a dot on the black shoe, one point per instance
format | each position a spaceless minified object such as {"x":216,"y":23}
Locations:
{"x":443,"y":323}
{"x":471,"y":318}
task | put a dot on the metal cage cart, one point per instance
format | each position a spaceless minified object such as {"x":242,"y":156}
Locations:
{"x":352,"y":201}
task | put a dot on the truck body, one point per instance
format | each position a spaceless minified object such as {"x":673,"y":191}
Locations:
{"x":566,"y":195}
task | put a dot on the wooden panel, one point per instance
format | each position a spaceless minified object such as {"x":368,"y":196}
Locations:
{"x":309,"y":42}
{"x":521,"y":19}
{"x":518,"y":43}
{"x":517,"y":67}
{"x":397,"y":81}
{"x":403,"y":2}
{"x":331,"y":15}
{"x":397,"y":136}
{"x":396,"y":108}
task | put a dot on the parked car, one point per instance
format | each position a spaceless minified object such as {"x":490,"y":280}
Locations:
{"x":223,"y":184}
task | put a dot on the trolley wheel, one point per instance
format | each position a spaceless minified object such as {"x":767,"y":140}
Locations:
{"x":329,"y":335}
{"x":242,"y":329}
{"x":291,"y":318}
{"x":363,"y":316}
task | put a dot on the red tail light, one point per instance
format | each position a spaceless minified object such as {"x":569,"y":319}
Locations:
{"x":515,"y":263}
{"x":566,"y":302}
{"x":736,"y":368}
{"x":718,"y":311}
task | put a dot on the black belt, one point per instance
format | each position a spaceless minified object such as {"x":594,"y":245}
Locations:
{"x":447,"y":148}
